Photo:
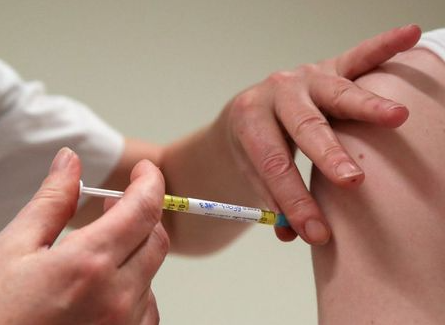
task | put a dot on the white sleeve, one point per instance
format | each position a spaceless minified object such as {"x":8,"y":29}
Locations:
{"x":434,"y":41}
{"x":33,"y":127}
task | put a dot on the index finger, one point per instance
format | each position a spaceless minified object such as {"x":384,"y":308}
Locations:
{"x":131,"y":220}
{"x":263,"y":141}
{"x":374,"y":51}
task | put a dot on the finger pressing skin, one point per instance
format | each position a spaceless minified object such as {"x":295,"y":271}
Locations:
{"x":262,"y":140}
{"x":372,"y":52}
{"x":131,"y":220}
{"x":142,"y":265}
{"x":343,"y":99}
{"x":314,"y":136}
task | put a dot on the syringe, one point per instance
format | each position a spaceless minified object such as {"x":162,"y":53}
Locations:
{"x":202,"y":207}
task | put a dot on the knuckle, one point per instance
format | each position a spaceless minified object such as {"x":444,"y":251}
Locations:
{"x":308,"y":69}
{"x":280,"y":78}
{"x":341,"y":88}
{"x":243,"y":110}
{"x":308,"y":122}
{"x":331,"y":152}
{"x":245,"y":101}
{"x":54,"y":200}
{"x":276,"y":164}
{"x":93,"y":267}
{"x":302,"y":207}
{"x":87,"y":275}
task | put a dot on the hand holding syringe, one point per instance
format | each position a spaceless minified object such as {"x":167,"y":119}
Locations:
{"x":203,"y":207}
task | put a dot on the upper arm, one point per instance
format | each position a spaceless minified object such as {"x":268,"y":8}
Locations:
{"x":385,"y":262}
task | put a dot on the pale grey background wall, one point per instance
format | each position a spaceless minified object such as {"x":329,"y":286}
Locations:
{"x":160,"y":69}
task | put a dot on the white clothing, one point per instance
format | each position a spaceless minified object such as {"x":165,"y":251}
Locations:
{"x":33,"y":127}
{"x":434,"y":41}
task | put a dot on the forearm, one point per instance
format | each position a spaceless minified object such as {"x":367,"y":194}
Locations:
{"x":202,"y":166}
{"x":197,"y":166}
{"x":385,"y":264}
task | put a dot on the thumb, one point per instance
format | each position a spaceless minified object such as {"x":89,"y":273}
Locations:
{"x":40,"y":222}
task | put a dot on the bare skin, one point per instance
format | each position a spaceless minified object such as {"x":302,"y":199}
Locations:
{"x":385,"y":264}
{"x":245,"y":156}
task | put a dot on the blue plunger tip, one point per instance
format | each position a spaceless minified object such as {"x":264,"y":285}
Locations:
{"x":281,"y":221}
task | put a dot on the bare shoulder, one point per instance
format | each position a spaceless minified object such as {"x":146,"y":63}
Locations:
{"x":416,"y":79}
{"x":417,"y":71}
{"x":385,"y":258}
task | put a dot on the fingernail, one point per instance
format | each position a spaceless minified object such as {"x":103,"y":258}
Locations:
{"x":316,"y":231}
{"x":396,"y":107}
{"x":347,"y":170}
{"x":408,"y":26}
{"x":62,"y":160}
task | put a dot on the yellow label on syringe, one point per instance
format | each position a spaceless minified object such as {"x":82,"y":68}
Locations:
{"x":176,"y":203}
{"x":267,"y":217}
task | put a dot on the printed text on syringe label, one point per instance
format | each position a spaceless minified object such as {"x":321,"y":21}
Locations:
{"x":223,"y":210}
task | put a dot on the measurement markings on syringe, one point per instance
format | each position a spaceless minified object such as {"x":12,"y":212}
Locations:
{"x":176,"y":203}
